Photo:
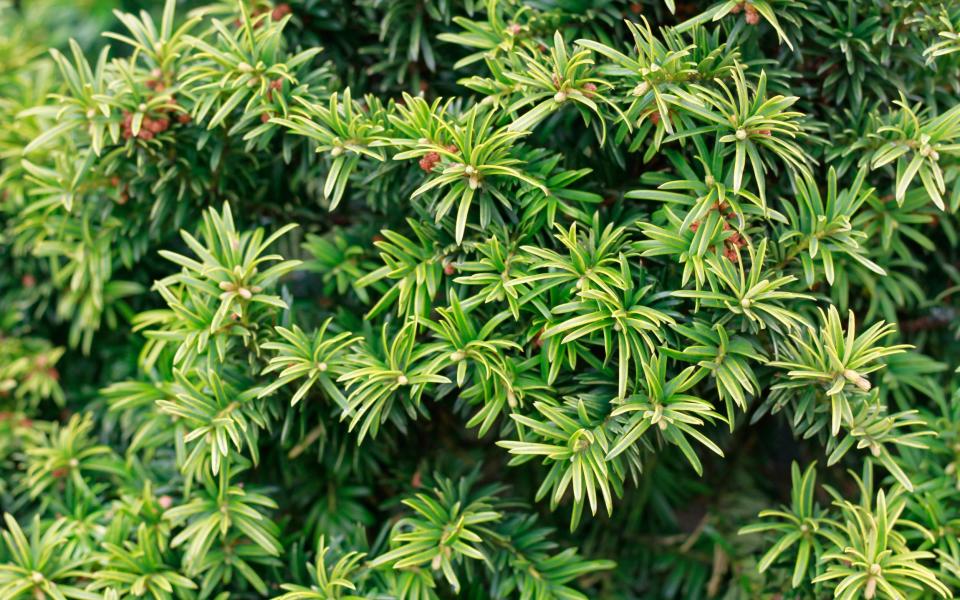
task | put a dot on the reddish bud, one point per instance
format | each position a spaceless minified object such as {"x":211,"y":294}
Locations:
{"x":28,"y":281}
{"x":264,"y":117}
{"x":695,"y":226}
{"x":537,"y":340}
{"x":514,"y":29}
{"x":165,"y":502}
{"x":449,"y":269}
{"x":281,"y":11}
{"x":736,"y":9}
{"x":636,"y":8}
{"x":184,"y":118}
{"x":429,"y":161}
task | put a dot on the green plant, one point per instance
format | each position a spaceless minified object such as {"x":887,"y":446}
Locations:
{"x":536,"y":299}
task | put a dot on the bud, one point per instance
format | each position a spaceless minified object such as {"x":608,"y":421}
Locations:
{"x":641,"y":88}
{"x":429,"y":161}
{"x":741,"y":134}
{"x":857,"y":379}
{"x":473,"y":182}
{"x":402,"y":380}
{"x":281,"y":11}
{"x":870,"y":590}
{"x":165,"y":502}
{"x":322,"y":367}
{"x":560,"y":97}
{"x":245,"y":68}
{"x":245,"y":293}
{"x":336,"y":151}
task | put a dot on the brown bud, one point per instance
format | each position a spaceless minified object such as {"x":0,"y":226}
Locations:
{"x":429,"y":161}
{"x":281,"y":11}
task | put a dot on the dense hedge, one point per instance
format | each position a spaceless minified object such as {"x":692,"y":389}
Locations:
{"x":508,"y":299}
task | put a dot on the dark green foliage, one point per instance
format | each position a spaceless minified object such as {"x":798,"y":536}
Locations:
{"x":537,"y":299}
